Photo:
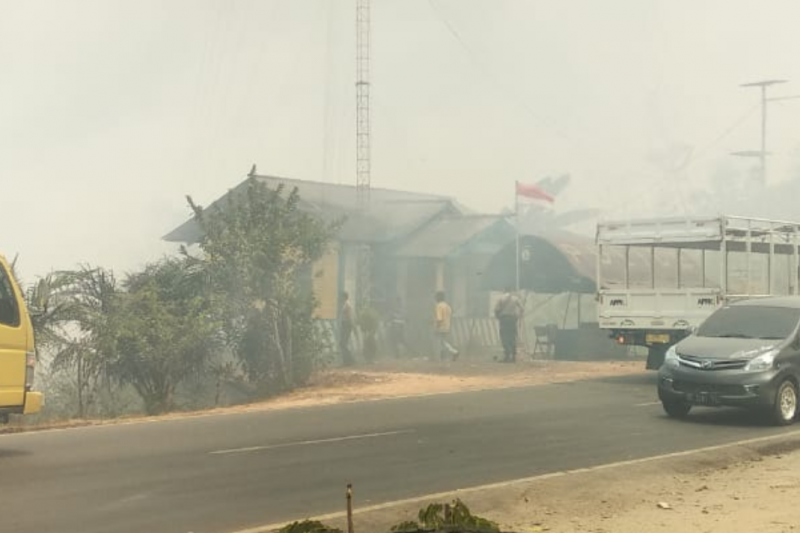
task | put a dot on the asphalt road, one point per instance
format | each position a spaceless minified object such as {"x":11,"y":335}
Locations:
{"x":221,"y":473}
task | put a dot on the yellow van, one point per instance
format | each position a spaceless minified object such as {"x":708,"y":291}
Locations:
{"x":17,"y":355}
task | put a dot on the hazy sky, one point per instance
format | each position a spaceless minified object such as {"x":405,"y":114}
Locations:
{"x":111,"y":111}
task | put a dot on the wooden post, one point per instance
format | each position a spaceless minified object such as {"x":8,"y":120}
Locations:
{"x":350,"y":508}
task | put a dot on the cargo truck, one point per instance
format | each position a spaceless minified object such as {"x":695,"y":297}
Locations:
{"x":659,"y":279}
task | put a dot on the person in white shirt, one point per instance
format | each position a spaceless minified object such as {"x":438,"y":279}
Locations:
{"x":508,"y":312}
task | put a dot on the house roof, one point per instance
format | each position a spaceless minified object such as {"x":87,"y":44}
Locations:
{"x":391,"y":213}
{"x":446,"y":235}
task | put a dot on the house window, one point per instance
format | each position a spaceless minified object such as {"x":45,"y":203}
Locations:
{"x":9,"y":308}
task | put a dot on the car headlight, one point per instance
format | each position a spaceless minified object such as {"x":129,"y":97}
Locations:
{"x":762,"y":362}
{"x":671,"y":358}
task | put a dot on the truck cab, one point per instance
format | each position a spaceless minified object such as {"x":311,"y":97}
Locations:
{"x":17,"y":352}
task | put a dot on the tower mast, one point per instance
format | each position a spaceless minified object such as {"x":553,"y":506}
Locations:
{"x":363,"y":145}
{"x":363,"y":148}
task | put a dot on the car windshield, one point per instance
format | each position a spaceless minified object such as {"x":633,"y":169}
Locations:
{"x":751,"y":322}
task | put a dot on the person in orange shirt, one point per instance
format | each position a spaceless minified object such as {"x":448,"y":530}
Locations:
{"x":442,"y":324}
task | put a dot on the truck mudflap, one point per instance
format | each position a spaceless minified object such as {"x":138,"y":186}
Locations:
{"x":33,"y":403}
{"x":655,"y":356}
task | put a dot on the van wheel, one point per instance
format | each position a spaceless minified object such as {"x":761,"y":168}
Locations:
{"x":784,"y":409}
{"x":676,"y":408}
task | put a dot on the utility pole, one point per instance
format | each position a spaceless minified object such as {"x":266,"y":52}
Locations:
{"x":763,"y":152}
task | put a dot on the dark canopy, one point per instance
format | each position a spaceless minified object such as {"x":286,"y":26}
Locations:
{"x":544,"y":266}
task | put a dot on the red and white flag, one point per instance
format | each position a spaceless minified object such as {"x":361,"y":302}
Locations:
{"x":534,"y":192}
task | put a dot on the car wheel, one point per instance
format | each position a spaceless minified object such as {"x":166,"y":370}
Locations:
{"x":785,"y":408}
{"x":676,"y":408}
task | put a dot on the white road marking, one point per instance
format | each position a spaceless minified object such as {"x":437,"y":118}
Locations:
{"x":310,"y":442}
{"x":514,"y":482}
{"x":647,"y":404}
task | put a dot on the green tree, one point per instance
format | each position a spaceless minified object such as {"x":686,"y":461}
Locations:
{"x":161,"y":331}
{"x":255,"y":250}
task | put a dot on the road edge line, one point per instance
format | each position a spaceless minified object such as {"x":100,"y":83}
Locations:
{"x":267,"y":528}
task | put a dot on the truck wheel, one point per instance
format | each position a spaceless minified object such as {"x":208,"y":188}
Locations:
{"x":676,"y":408}
{"x":784,"y":409}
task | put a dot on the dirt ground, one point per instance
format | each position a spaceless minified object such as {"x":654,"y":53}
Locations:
{"x":735,"y":495}
{"x":388,"y":379}
{"x":397,"y":379}
{"x":740,"y":489}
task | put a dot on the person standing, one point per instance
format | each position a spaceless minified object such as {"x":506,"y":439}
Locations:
{"x":442,"y":323}
{"x":347,"y":323}
{"x":508,"y":311}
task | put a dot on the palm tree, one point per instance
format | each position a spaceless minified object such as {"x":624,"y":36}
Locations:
{"x":68,"y":311}
{"x":90,"y":300}
{"x":52,"y":307}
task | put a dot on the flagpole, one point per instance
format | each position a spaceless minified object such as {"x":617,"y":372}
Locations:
{"x":516,"y":226}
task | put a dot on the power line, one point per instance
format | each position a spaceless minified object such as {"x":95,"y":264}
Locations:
{"x":328,"y":105}
{"x":508,"y":91}
{"x":697,"y":156}
{"x":474,"y":59}
{"x":544,"y":121}
{"x":202,"y":87}
{"x":722,"y":136}
{"x":254,"y":70}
